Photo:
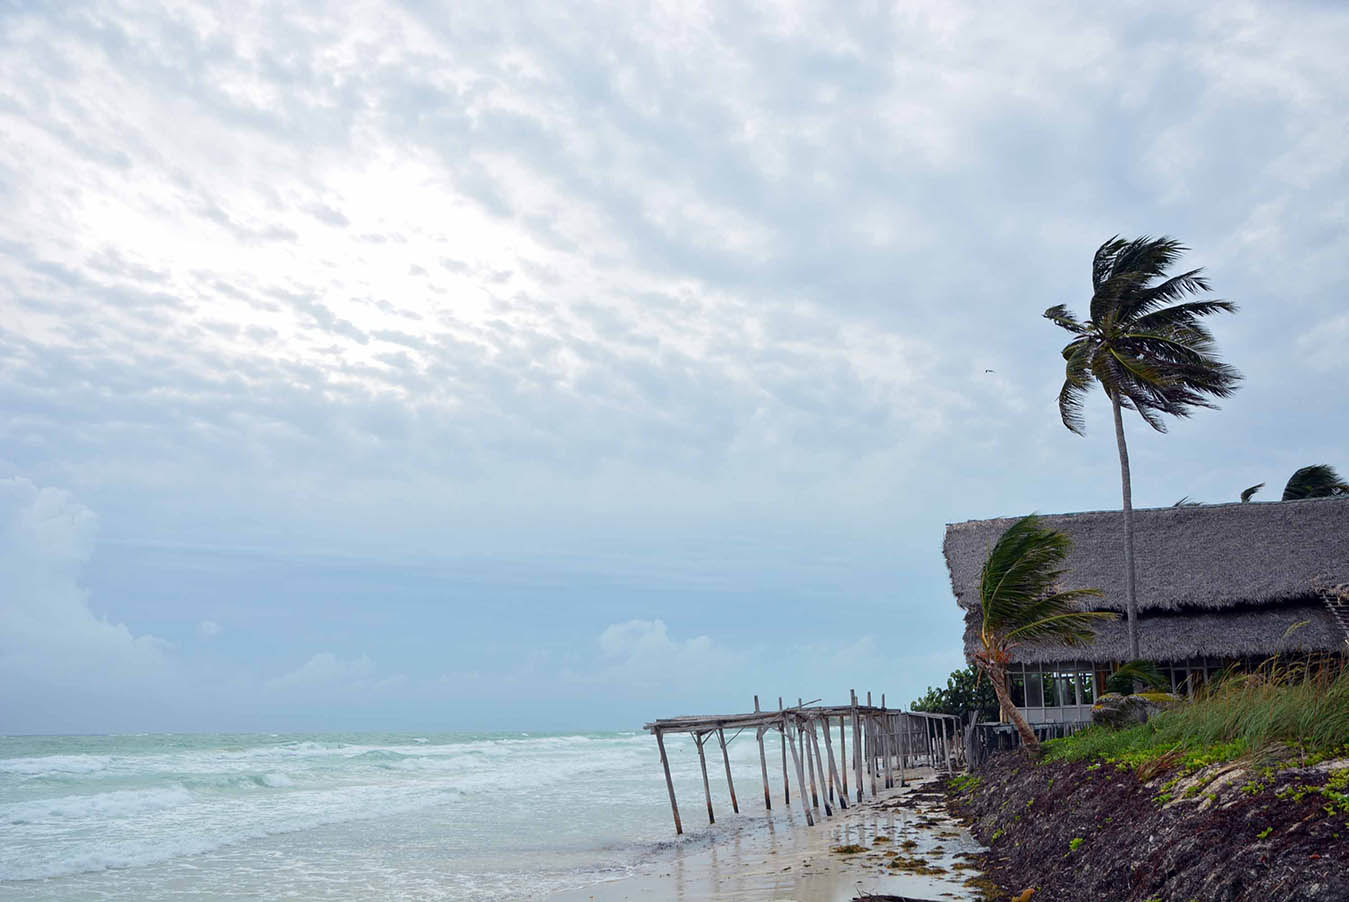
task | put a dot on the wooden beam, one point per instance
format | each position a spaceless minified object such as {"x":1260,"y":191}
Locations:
{"x":669,"y":783}
{"x":786,"y":783}
{"x":726,"y":759}
{"x":707,"y":787}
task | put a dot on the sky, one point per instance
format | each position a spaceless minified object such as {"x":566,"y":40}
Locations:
{"x":557,"y":365}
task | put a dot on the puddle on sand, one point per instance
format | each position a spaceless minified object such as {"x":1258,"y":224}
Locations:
{"x":908,"y":847}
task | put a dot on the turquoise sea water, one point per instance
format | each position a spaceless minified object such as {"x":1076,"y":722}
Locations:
{"x":445,"y":816}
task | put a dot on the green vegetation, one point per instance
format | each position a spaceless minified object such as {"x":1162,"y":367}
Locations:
{"x":964,"y":692}
{"x":1020,"y":602}
{"x":1316,"y":481}
{"x":849,"y":849}
{"x":1075,"y":844}
{"x":1133,"y":673}
{"x":1304,"y":708}
{"x":1149,"y":354}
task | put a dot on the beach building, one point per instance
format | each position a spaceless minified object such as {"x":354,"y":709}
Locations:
{"x":1217,"y":584}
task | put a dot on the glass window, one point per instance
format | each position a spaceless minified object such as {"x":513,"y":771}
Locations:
{"x":1085,"y":689}
{"x":1018,"y":688}
{"x":1034,"y":697}
{"x":1051,"y":696}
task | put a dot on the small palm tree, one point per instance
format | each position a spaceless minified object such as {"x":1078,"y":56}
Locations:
{"x":1316,"y":481}
{"x":1020,"y":603}
{"x":1148,"y":353}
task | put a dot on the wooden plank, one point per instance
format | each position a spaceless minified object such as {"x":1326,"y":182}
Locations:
{"x":726,"y":759}
{"x":707,"y":787}
{"x":669,"y":783}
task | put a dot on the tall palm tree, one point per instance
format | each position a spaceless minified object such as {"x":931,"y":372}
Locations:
{"x":1316,"y":481}
{"x":1020,"y":602}
{"x":1149,"y":353}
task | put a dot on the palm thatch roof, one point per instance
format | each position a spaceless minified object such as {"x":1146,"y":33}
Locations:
{"x":1225,"y":580}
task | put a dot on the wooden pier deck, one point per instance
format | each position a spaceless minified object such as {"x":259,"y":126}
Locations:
{"x":885,"y":744}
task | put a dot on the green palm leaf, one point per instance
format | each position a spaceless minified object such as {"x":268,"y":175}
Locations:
{"x":1316,"y":481}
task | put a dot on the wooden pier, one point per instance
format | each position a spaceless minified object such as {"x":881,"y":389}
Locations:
{"x":885,"y":745}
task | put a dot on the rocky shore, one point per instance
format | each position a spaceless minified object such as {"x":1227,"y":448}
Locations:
{"x":1269,"y":828}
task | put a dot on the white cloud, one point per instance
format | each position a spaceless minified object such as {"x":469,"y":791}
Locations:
{"x":208,"y":629}
{"x":326,"y":672}
{"x":51,"y":637}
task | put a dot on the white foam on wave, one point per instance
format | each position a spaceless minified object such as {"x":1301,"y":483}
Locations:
{"x":232,"y":794}
{"x":103,"y":805}
{"x":54,"y":764}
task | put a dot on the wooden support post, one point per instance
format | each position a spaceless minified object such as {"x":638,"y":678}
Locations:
{"x":903,"y":746}
{"x":843,"y":751}
{"x":726,"y":759}
{"x":819,"y":768}
{"x":669,"y":783}
{"x":886,"y":750}
{"x":833,"y":771}
{"x":856,"y":743}
{"x":707,"y":787}
{"x":810,"y":769}
{"x":763,"y":760}
{"x":786,"y":783}
{"x":800,"y":772}
{"x":871,"y":749}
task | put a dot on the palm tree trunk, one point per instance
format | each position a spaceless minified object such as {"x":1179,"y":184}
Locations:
{"x":998,"y":677}
{"x":1131,"y":591}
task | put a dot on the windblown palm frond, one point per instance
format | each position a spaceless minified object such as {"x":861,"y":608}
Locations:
{"x":1019,"y":594}
{"x":1248,"y":494}
{"x":1142,"y":672}
{"x":1152,"y":354}
{"x":1316,"y":481}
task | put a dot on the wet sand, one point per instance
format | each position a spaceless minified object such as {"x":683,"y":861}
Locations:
{"x":774,"y":859}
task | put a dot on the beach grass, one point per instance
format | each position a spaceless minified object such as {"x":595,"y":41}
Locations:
{"x":1304,"y":707}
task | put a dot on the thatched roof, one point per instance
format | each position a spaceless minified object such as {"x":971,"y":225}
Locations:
{"x":1210,"y":556}
{"x":1222,"y":580}
{"x":1176,"y":637}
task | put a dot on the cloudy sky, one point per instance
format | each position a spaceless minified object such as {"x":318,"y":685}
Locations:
{"x":423,"y":365}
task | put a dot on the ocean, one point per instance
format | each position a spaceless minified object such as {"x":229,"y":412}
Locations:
{"x":345,"y":816}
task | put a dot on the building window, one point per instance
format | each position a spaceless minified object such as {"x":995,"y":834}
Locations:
{"x":1017,"y":684}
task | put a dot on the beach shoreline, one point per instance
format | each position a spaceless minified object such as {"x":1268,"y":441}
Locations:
{"x":785,"y":859}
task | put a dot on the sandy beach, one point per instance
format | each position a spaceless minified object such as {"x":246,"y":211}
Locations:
{"x":775,"y":860}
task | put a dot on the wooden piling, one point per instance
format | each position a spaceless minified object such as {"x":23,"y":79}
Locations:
{"x":669,"y":783}
{"x":800,"y":772}
{"x":726,"y":759}
{"x":786,"y":783}
{"x":843,"y":750}
{"x":856,"y":743}
{"x":819,"y":768}
{"x":707,"y":787}
{"x":842,"y":790}
{"x":763,"y":760}
{"x":871,"y":749}
{"x":810,"y":769}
